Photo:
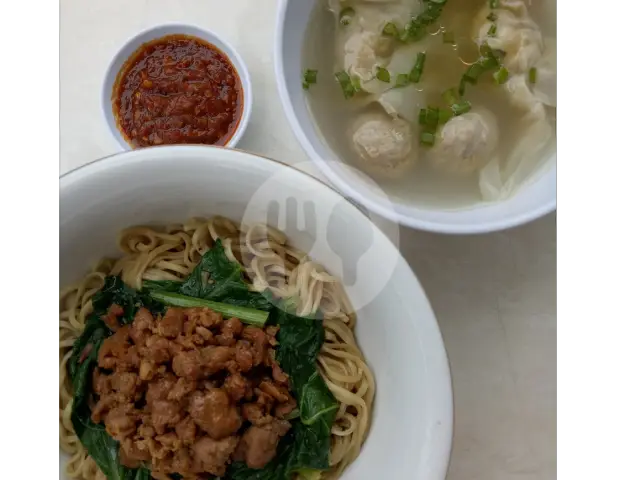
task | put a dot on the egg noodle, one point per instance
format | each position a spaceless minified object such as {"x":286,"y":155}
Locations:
{"x":171,"y":253}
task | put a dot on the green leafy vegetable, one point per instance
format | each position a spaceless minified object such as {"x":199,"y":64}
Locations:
{"x":308,"y":444}
{"x":218,"y":283}
{"x":247,"y":315}
{"x":220,"y":280}
{"x":100,"y":445}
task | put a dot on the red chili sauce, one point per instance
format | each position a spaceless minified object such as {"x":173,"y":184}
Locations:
{"x":177,"y":89}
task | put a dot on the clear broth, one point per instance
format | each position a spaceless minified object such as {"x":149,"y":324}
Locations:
{"x":425,"y":186}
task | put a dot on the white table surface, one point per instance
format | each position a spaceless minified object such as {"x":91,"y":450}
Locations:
{"x":494,"y":295}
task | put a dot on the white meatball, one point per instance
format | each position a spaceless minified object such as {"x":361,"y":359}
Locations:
{"x":465,"y":143}
{"x":385,"y":145}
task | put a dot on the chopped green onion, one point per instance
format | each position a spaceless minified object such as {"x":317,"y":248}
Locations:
{"x":427,"y":138}
{"x":402,"y":80}
{"x":250,"y":316}
{"x":450,"y":96}
{"x":422,"y":116}
{"x":462,"y":87}
{"x":489,"y":63}
{"x":448,"y":37}
{"x":444,"y":115}
{"x":460,"y":108}
{"x":494,"y":3}
{"x":310,"y":76}
{"x":418,"y":67}
{"x":501,"y":76}
{"x":486,"y":50}
{"x":492,"y":17}
{"x":432,"y":118}
{"x":383,"y":75}
{"x":492,"y":30}
{"x":357,"y":85}
{"x":414,"y":30}
{"x":344,"y":80}
{"x":346,"y":15}
{"x":473,"y":73}
{"x":390,"y":30}
{"x":533,"y":75}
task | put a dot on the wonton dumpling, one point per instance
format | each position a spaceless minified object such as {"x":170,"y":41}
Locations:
{"x":386,"y":146}
{"x":465,"y":143}
{"x":545,"y":88}
{"x":499,"y":179}
{"x":516,"y":34}
{"x":522,"y":97}
{"x":363,"y":51}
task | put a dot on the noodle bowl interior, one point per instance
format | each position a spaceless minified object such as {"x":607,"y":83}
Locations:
{"x":210,"y":350}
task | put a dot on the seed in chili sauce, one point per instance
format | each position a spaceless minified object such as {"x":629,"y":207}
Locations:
{"x":177,"y":89}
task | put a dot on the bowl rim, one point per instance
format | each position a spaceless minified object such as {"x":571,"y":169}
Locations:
{"x":509,"y":221}
{"x":444,"y":440}
{"x":179,"y":28}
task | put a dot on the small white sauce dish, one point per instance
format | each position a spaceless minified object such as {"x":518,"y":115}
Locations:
{"x":156,"y":33}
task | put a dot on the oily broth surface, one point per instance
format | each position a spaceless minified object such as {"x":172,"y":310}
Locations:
{"x":425,"y":186}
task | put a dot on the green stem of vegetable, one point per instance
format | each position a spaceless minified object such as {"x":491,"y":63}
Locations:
{"x":295,"y":413}
{"x":250,"y":316}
